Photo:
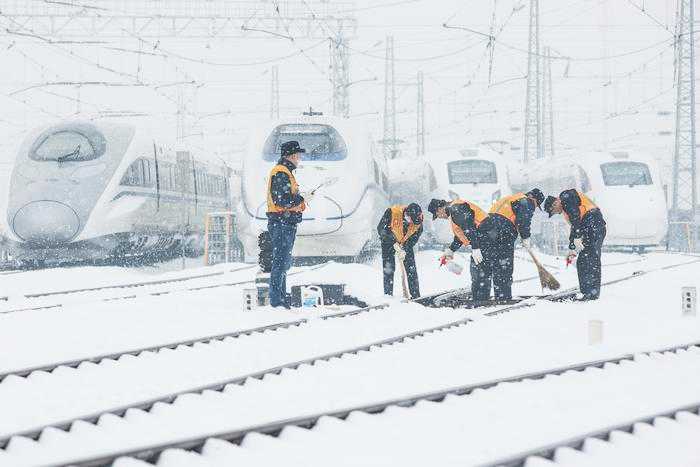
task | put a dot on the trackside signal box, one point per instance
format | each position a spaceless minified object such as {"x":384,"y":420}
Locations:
{"x":220,"y":242}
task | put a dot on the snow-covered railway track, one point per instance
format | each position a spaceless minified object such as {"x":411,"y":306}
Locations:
{"x":163,"y":367}
{"x":154,"y":293}
{"x":138,"y":284}
{"x":418,"y":418}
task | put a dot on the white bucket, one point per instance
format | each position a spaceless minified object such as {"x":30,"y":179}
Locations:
{"x":311,"y":296}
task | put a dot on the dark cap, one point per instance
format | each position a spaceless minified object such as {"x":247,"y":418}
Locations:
{"x":434,"y":205}
{"x":548,"y":203}
{"x":415,"y":213}
{"x":291,"y":147}
{"x":538,"y":195}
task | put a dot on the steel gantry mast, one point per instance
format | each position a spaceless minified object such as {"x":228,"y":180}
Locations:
{"x":685,"y":200}
{"x":547,"y":138}
{"x":533,"y":113}
{"x":389,"y":140}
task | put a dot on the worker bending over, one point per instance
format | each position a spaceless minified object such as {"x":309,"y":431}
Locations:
{"x":586,"y":238}
{"x":465,"y":217}
{"x":399,"y":230}
{"x":509,"y":217}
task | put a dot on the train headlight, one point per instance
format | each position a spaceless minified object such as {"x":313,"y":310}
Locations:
{"x":89,"y":171}
{"x":330,"y":181}
{"x":495,"y":196}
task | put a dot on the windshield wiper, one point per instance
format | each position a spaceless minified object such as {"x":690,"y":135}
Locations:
{"x":638,"y":180}
{"x":65,"y":157}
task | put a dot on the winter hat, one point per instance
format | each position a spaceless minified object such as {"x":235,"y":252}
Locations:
{"x":538,"y":195}
{"x":548,"y":205}
{"x":434,"y":205}
{"x":415,"y":213}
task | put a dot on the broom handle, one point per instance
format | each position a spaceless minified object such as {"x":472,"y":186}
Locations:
{"x":534,"y":258}
{"x":404,"y":282}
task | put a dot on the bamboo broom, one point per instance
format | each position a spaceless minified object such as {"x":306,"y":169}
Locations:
{"x":547,"y":280}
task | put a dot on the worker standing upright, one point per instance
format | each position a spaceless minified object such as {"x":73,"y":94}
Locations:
{"x":465,"y":217}
{"x":399,"y":230}
{"x":285,"y":204}
{"x":588,"y":230}
{"x":509,"y":217}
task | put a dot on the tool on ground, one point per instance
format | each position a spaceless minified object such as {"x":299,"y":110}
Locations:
{"x":313,"y":192}
{"x":404,"y":281}
{"x":547,"y":280}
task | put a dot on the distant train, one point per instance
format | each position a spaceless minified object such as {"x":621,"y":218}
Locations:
{"x":343,"y":161}
{"x":81,"y":190}
{"x":479,"y":175}
{"x":626,"y":185}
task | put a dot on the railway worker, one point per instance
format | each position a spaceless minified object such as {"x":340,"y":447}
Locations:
{"x":465,"y":218}
{"x":509,"y":217}
{"x":399,"y":230}
{"x":586,"y":238}
{"x":285,"y":204}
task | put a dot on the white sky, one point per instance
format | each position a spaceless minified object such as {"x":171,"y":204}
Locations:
{"x":598,"y":104}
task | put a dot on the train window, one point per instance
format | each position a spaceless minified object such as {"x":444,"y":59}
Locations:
{"x":133,"y":175}
{"x":472,"y":171}
{"x":69,"y":144}
{"x":585,"y":182}
{"x":322,"y":142}
{"x":377,"y":179}
{"x":385,"y":183}
{"x":625,"y":173}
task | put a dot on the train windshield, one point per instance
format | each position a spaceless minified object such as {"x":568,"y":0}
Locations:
{"x":472,"y":171}
{"x":322,"y":142}
{"x":625,"y":173}
{"x":68,"y":145}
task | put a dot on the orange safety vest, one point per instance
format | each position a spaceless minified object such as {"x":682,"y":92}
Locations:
{"x":503,"y":207}
{"x":271,"y":206}
{"x":397,"y":225}
{"x":479,"y":216}
{"x":583,"y":209}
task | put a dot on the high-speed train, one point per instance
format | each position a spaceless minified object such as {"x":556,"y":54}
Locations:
{"x":350,"y":172}
{"x":625,"y":184}
{"x":479,"y":175}
{"x":82,"y":190}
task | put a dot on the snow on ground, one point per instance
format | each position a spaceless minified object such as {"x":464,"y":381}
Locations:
{"x":486,"y":426}
{"x":639,"y":314}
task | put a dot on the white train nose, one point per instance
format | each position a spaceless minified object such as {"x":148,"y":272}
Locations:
{"x":46,"y":222}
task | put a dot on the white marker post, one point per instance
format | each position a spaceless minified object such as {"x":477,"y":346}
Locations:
{"x":689,"y":300}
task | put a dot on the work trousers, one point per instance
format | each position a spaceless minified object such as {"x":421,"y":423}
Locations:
{"x":497,"y":236}
{"x":481,"y":280}
{"x":588,"y":265}
{"x":283,"y":236}
{"x":389,"y":267}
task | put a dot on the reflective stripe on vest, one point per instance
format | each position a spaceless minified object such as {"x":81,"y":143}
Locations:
{"x":479,"y":216}
{"x":397,"y":225}
{"x":503,"y":207}
{"x":583,"y":209}
{"x":271,"y":206}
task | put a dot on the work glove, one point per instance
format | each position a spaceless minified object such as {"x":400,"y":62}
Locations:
{"x":400,"y":252}
{"x":578,"y":244}
{"x":308,"y":196}
{"x":477,"y":256}
{"x":570,"y":255}
{"x":526,"y":243}
{"x":448,"y":254}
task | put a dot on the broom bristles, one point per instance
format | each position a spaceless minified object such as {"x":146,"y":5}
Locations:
{"x":547,"y":280}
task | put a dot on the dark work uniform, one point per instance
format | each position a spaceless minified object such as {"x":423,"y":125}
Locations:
{"x":463,"y":217}
{"x":387,"y":238}
{"x":282,"y":226}
{"x":498,"y":235}
{"x":591,"y":230}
